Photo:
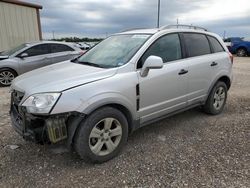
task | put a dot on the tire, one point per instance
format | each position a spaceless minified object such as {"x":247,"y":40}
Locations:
{"x":241,"y":52}
{"x":217,"y":99}
{"x":6,"y":77}
{"x":95,"y":145}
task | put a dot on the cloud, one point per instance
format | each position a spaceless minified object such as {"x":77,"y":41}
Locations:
{"x":97,"y":18}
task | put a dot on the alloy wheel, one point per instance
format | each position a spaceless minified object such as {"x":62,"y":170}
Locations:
{"x":105,"y":136}
{"x":241,"y":53}
{"x":219,"y":98}
{"x":6,"y":77}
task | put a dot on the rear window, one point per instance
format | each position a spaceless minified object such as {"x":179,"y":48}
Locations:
{"x":196,"y":44}
{"x":60,"y":48}
{"x":215,"y":44}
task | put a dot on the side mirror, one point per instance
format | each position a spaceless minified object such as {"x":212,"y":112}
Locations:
{"x":152,"y":62}
{"x":23,"y":55}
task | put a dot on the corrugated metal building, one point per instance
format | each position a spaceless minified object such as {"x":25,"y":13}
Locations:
{"x":19,"y":23}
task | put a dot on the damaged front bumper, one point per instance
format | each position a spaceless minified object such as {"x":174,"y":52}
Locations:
{"x":40,"y":129}
{"x":37,"y":128}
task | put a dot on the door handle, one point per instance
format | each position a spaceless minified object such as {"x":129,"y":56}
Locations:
{"x":213,"y":64}
{"x":183,"y":71}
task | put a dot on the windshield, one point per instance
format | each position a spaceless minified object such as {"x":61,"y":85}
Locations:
{"x":115,"y":51}
{"x":247,"y":39}
{"x":13,"y":50}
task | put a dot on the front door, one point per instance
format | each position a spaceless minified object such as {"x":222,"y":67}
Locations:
{"x":163,"y":90}
{"x":38,"y":56}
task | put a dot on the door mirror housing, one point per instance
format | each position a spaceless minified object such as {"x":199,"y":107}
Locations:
{"x":152,"y":62}
{"x":23,"y":55}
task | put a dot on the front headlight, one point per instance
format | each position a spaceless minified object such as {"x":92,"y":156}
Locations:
{"x":41,"y":103}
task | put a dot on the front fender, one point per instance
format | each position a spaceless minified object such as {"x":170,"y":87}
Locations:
{"x":105,"y":99}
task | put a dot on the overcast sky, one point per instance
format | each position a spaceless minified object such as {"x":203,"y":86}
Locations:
{"x":96,"y":18}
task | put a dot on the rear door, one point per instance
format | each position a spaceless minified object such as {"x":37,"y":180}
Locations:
{"x":62,"y":52}
{"x":219,"y":58}
{"x":38,"y":56}
{"x":199,"y":66}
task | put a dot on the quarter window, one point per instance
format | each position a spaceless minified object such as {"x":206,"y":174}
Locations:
{"x":196,"y":44}
{"x":60,"y":48}
{"x":40,"y":49}
{"x":167,"y":47}
{"x":215,"y":44}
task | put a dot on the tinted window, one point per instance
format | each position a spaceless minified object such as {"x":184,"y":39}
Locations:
{"x":196,"y":44}
{"x":167,"y":47}
{"x":60,"y":48}
{"x":38,"y":50}
{"x":215,"y":44}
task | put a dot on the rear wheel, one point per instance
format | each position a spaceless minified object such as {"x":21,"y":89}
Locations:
{"x":217,"y":99}
{"x":6,"y":77}
{"x":102,"y":135}
{"x":241,"y":52}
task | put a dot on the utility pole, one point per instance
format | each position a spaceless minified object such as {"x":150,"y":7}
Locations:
{"x":177,"y":22}
{"x":224,"y":34}
{"x":158,"y":19}
{"x":53,"y":33}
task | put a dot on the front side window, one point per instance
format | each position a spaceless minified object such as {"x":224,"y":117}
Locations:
{"x":115,"y":51}
{"x":215,"y":44}
{"x":196,"y":44}
{"x":40,"y":49}
{"x":167,"y":47}
{"x":55,"y":48}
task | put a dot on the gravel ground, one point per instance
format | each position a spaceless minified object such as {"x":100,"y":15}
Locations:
{"x":190,"y":149}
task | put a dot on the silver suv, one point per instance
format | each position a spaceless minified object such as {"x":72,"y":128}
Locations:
{"x":127,"y":81}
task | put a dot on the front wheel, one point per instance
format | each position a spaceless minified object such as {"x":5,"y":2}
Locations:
{"x":241,"y":52}
{"x":102,"y":135}
{"x":6,"y":77}
{"x":217,"y":99}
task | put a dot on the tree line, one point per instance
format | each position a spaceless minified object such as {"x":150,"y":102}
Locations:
{"x":76,"y":39}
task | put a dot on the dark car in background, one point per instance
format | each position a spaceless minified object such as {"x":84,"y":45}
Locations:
{"x":239,"y":46}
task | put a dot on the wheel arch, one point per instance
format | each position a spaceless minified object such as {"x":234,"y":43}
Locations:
{"x":223,"y":78}
{"x":121,"y":107}
{"x":9,"y":69}
{"x":75,"y":120}
{"x":226,"y":80}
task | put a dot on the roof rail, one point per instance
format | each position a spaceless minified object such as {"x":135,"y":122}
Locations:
{"x":131,"y":29}
{"x":183,"y":26}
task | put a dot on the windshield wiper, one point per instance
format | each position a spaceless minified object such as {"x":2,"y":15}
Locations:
{"x":89,"y":63}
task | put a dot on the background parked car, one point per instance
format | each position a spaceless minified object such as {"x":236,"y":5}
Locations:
{"x":239,"y":46}
{"x":29,"y":56}
{"x":84,"y":46}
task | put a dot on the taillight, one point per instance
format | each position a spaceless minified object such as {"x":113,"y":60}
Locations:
{"x":231,"y":57}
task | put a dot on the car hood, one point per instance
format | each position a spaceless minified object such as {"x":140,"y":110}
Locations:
{"x":59,"y":77}
{"x":2,"y":57}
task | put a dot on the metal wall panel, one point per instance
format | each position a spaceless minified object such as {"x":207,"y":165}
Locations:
{"x":18,"y":24}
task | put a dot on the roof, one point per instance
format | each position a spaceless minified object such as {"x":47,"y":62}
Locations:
{"x":22,"y":3}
